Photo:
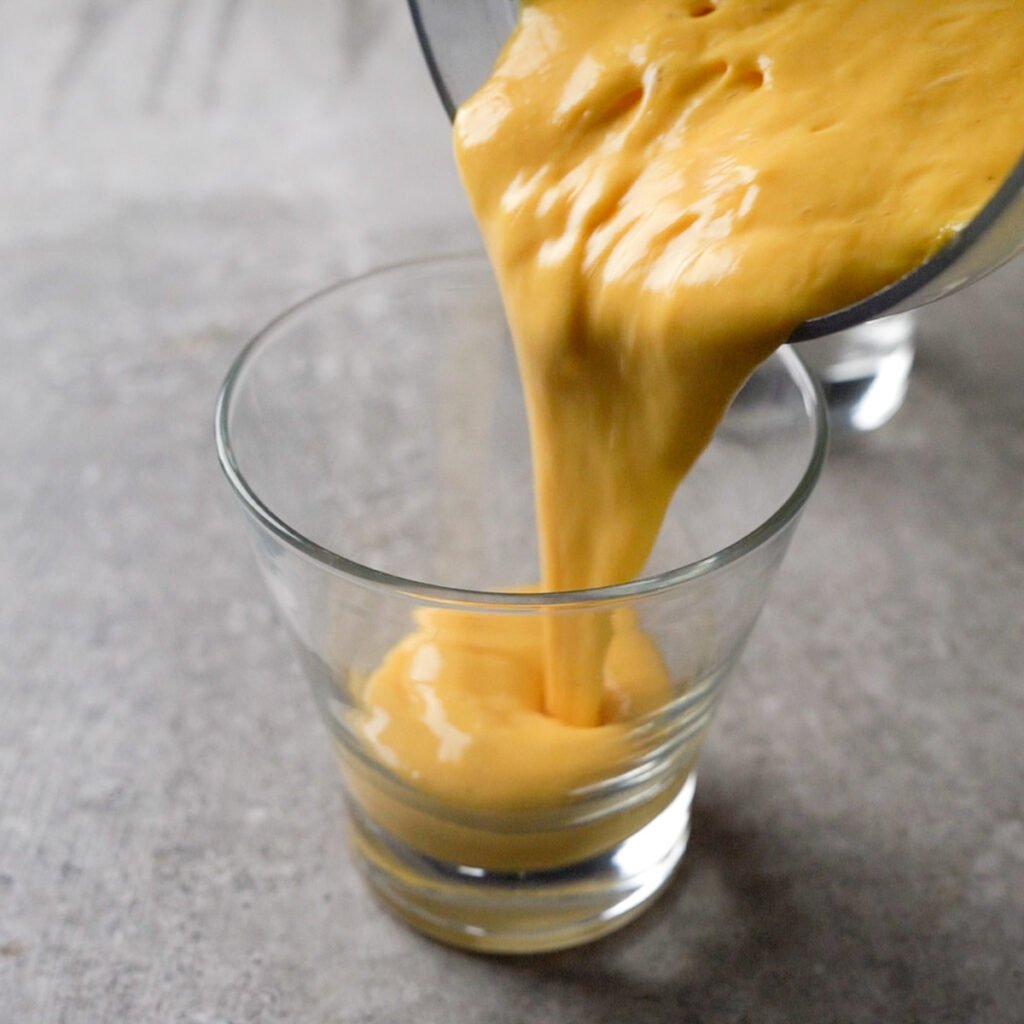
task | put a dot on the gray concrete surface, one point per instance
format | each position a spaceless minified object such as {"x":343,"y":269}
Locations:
{"x":171,"y":846}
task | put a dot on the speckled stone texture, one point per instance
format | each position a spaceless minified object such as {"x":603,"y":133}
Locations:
{"x":171,"y":840}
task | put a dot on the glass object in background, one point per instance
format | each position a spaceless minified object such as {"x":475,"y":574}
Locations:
{"x":863,"y":366}
{"x":864,"y":371}
{"x":376,"y":438}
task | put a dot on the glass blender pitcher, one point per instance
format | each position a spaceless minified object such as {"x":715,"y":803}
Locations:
{"x":866,"y":350}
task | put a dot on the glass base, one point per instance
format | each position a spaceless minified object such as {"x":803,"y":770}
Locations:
{"x":864,"y":371}
{"x":530,"y":911}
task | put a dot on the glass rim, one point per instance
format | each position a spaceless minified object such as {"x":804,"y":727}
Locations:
{"x":436,"y":593}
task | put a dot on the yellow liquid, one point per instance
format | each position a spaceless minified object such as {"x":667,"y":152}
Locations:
{"x":666,"y":190}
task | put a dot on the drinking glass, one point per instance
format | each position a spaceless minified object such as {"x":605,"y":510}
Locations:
{"x":376,"y":439}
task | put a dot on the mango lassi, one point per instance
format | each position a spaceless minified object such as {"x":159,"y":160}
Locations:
{"x":666,"y":189}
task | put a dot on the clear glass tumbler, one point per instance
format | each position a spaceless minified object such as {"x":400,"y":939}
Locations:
{"x":376,"y":438}
{"x":864,"y":371}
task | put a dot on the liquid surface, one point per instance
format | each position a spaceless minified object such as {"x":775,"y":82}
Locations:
{"x":666,"y":189}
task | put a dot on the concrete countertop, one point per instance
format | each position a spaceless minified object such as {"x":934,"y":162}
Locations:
{"x":171,"y":840}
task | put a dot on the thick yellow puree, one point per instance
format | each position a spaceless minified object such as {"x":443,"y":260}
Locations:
{"x":666,"y":189}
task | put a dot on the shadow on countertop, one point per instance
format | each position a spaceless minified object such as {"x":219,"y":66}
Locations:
{"x":735,"y":940}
